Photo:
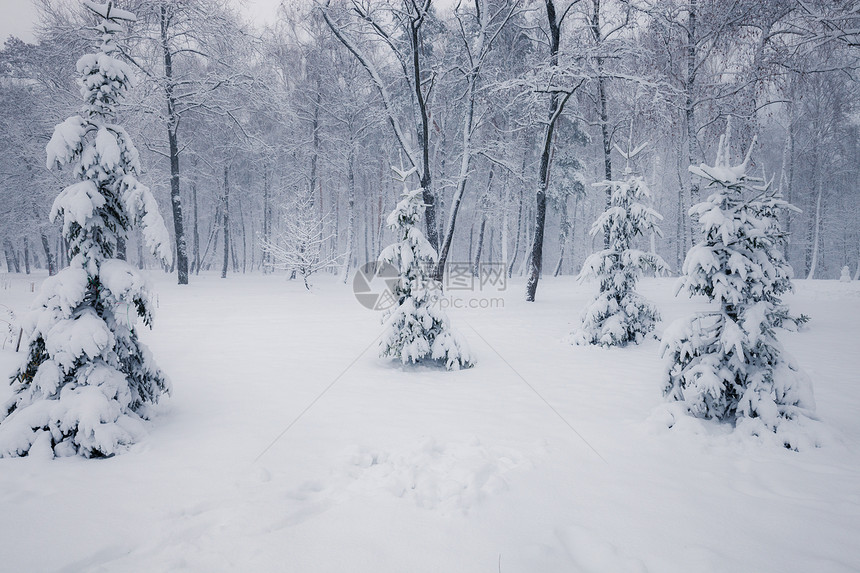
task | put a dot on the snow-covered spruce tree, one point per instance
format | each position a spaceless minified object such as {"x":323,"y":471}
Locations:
{"x":619,"y":315}
{"x":87,"y":381}
{"x":727,"y":364}
{"x":416,"y":328}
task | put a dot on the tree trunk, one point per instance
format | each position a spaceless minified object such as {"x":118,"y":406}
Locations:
{"x":857,"y":270}
{"x":10,"y":265}
{"x":26,"y":255}
{"x":334,"y":239}
{"x":811,"y":255}
{"x":573,"y":226}
{"x":604,"y":115}
{"x":472,"y":80}
{"x":267,"y":223}
{"x":490,"y":252}
{"x":789,"y":183}
{"x":140,"y":252}
{"x":225,"y":218}
{"x":471,"y":241}
{"x":505,"y":232}
{"x":213,"y":235}
{"x":315,"y":138}
{"x":519,"y":231}
{"x":244,"y":233}
{"x":484,"y":206}
{"x":607,"y":149}
{"x":441,"y":205}
{"x":49,"y":258}
{"x":380,"y":225}
{"x":172,"y":125}
{"x":680,"y":222}
{"x":689,"y":106}
{"x":350,"y":229}
{"x":423,"y":133}
{"x":556,"y":105}
{"x":477,"y":262}
{"x":12,"y":256}
{"x":815,"y":231}
{"x":196,"y":237}
{"x":253,"y":244}
{"x":528,"y":231}
{"x":233,"y":256}
{"x":367,"y":223}
{"x":564,"y":230}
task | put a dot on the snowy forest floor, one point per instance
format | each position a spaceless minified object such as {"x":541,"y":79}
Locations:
{"x":426,"y":470}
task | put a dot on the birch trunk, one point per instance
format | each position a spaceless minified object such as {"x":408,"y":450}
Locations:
{"x":350,"y":227}
{"x":225,"y":218}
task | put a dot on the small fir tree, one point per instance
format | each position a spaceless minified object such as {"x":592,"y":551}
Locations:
{"x":416,"y":328}
{"x":87,"y":381}
{"x":619,"y":315}
{"x":727,"y":364}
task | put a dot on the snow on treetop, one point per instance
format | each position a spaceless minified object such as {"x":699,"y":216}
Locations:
{"x":108,"y":27}
{"x":109,"y":11}
{"x":402,"y":175}
{"x":630,"y":154}
{"x":722,"y":171}
{"x":109,"y":68}
{"x":408,"y":209}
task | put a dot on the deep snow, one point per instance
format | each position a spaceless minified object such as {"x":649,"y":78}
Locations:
{"x":426,"y":470}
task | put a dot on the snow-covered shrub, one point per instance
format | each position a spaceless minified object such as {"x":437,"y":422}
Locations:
{"x":416,"y":328}
{"x":728,"y":364}
{"x":87,"y":381}
{"x":8,"y":327}
{"x":619,"y":315}
{"x":300,"y":246}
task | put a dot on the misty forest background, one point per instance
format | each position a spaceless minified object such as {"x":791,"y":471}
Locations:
{"x":271,"y":148}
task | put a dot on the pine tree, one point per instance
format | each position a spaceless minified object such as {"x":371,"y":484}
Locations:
{"x":619,"y":315}
{"x":727,"y":364}
{"x":416,"y":328}
{"x":87,"y":381}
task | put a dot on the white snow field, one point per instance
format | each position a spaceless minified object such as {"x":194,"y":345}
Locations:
{"x":395,"y":470}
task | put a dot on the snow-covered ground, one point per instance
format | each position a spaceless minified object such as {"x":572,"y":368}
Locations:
{"x":544,"y":457}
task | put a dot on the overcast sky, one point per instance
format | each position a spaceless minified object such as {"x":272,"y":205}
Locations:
{"x":17,"y":19}
{"x":18,"y":16}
